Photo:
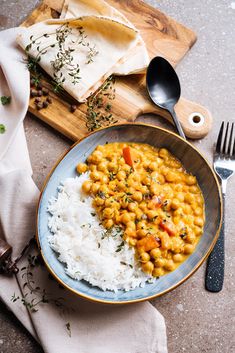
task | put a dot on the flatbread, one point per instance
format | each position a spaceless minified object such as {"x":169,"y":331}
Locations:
{"x":136,"y":60}
{"x":112,"y":40}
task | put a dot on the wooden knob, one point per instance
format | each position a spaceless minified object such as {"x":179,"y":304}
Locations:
{"x":5,"y":251}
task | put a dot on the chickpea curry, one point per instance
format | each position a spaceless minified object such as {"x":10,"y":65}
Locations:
{"x":147,"y":192}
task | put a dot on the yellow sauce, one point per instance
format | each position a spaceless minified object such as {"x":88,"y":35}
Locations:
{"x":147,"y":192}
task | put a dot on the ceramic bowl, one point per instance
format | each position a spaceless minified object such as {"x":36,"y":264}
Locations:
{"x":193,"y":161}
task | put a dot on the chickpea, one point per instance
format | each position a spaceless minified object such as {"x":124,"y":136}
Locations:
{"x":146,"y":180}
{"x":187,"y":209}
{"x":194,"y":189}
{"x":141,"y":233}
{"x":102,"y":166}
{"x":176,"y":244}
{"x":188,"y":198}
{"x":190,"y":180}
{"x":81,"y":168}
{"x":132,"y":242}
{"x":180,"y":196}
{"x":160,"y":262}
{"x":175,"y":204}
{"x":121,"y":185}
{"x":121,"y":175}
{"x":190,"y":238}
{"x":144,"y":257}
{"x":108,"y":212}
{"x":137,"y":196}
{"x":131,"y":225}
{"x":153,"y":166}
{"x":163,"y":153}
{"x":171,"y":177}
{"x":170,"y":265}
{"x":98,"y":201}
{"x":95,"y":188}
{"x":161,"y":179}
{"x":97,"y":157}
{"x":188,"y":249}
{"x":141,"y":225}
{"x":165,"y":241}
{"x":155,"y":253}
{"x":126,"y":218}
{"x":148,"y":267}
{"x":178,"y":258}
{"x":157,"y":272}
{"x":104,"y":189}
{"x":155,"y":188}
{"x":108,"y":223}
{"x":132,"y":206}
{"x":86,"y":186}
{"x":151,"y":214}
{"x":198,"y":211}
{"x":139,"y":214}
{"x":104,"y":179}
{"x":96,"y":175}
{"x":178,"y":212}
{"x":197,"y":231}
{"x":130,"y":232}
{"x":199,"y":221}
{"x":112,"y":167}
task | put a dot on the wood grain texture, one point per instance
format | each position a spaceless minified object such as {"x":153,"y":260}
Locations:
{"x":163,"y":36}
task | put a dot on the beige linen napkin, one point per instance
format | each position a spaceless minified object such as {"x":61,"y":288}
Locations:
{"x":76,"y":326}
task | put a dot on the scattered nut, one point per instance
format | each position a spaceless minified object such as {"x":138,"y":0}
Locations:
{"x":33,"y":92}
{"x":32,"y":82}
{"x":45,"y":91}
{"x":39,"y":86}
{"x":49,"y":100}
{"x":45,"y":104}
{"x":39,"y":105}
{"x":39,"y":93}
{"x":73,"y":107}
{"x":37,"y":100}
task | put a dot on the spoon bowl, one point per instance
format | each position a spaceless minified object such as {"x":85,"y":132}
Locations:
{"x":163,"y":86}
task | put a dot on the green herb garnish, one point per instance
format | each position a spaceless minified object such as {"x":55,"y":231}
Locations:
{"x":101,"y":100}
{"x":2,"y":129}
{"x":5,"y":100}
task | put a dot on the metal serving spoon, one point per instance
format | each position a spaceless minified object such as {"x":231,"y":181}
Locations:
{"x":164,"y":87}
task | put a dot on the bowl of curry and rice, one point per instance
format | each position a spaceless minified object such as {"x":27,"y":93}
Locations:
{"x":128,"y":213}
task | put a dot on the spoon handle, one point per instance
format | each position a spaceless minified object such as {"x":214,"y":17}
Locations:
{"x":177,"y":123}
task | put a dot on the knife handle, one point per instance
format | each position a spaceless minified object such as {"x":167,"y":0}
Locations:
{"x":215,"y":264}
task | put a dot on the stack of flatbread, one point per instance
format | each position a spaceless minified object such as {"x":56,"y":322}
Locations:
{"x":117,"y":44}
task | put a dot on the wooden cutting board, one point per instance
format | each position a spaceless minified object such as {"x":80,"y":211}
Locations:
{"x":163,"y":36}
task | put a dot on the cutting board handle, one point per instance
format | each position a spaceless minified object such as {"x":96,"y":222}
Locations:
{"x":196,"y":120}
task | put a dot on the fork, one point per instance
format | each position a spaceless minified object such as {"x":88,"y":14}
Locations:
{"x":224,"y":166}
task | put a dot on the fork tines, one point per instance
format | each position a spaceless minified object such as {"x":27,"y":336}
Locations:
{"x":226,"y":140}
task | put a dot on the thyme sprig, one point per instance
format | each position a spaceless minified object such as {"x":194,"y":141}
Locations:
{"x":101,"y":100}
{"x":34,"y":295}
{"x":64,"y":57}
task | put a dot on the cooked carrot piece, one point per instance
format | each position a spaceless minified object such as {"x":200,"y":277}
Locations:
{"x":148,"y":243}
{"x":127,"y":156}
{"x":169,"y":227}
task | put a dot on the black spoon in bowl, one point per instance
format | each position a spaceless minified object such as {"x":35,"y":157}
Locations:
{"x":164,"y":87}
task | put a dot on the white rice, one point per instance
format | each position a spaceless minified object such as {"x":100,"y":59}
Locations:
{"x":83,"y":244}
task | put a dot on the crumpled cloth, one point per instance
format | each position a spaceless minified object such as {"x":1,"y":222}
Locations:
{"x":66,"y":323}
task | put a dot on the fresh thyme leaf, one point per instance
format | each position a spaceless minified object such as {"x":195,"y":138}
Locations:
{"x":120,"y":246}
{"x":63,"y":58}
{"x":5,"y":100}
{"x":68,"y":327}
{"x":2,"y":129}
{"x":99,"y":108}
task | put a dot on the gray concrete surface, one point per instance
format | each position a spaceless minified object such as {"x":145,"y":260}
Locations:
{"x":197,"y":321}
